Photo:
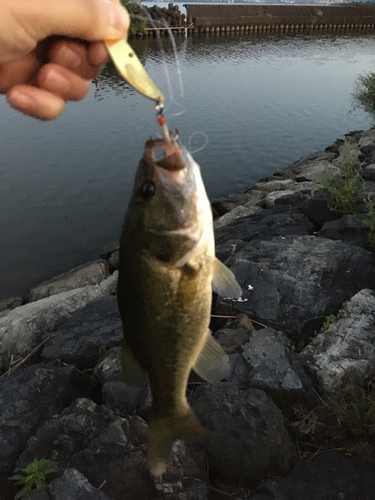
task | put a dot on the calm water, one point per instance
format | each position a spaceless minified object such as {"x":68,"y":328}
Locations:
{"x":257,"y":103}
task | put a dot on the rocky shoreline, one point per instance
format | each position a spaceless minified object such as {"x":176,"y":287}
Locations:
{"x":303,"y":330}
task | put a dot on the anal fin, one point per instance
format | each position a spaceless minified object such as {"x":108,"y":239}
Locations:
{"x":224,"y":282}
{"x":212,"y":364}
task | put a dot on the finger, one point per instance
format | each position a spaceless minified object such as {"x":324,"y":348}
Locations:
{"x":76,"y":56}
{"x":98,"y":54}
{"x":22,"y":70}
{"x":35,"y":102}
{"x":62,"y":82}
{"x":85,"y":19}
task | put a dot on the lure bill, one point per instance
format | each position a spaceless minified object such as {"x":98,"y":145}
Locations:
{"x":131,"y":69}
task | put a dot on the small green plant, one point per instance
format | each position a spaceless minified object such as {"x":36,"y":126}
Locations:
{"x":138,"y":21}
{"x":328,"y":322}
{"x":344,"y":188}
{"x":346,"y":193}
{"x":33,"y":476}
{"x":354,"y":408}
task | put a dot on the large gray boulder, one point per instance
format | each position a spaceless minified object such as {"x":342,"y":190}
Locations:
{"x":246,"y":438}
{"x":268,"y":363}
{"x":86,"y":334}
{"x":276,"y":221}
{"x":24,"y":327}
{"x":291,"y":279}
{"x":348,"y":344}
{"x":73,"y":485}
{"x":92,"y":273}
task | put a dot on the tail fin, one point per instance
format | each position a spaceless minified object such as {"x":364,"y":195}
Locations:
{"x":163,"y":432}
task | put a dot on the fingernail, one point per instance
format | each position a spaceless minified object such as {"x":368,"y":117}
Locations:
{"x":20,"y":99}
{"x":56,"y":82}
{"x":118,"y":17}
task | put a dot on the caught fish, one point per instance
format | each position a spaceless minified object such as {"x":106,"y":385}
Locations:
{"x":168,"y":270}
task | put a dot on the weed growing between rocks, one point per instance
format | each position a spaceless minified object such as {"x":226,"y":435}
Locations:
{"x":344,"y":420}
{"x":369,"y":223}
{"x":34,"y":476}
{"x":346,"y":193}
{"x":344,"y":187}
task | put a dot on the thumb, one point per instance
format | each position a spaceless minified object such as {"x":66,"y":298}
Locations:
{"x":85,"y":19}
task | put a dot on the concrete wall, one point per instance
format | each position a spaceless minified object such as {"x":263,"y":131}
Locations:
{"x":207,"y":15}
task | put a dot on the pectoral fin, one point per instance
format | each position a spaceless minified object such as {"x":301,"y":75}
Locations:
{"x":212,"y":364}
{"x":224,"y":282}
{"x":133,"y":372}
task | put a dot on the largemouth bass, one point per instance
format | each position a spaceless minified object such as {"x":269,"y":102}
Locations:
{"x":167,"y":272}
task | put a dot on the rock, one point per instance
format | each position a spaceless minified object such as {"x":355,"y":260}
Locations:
{"x":40,"y":494}
{"x":109,"y":368}
{"x":329,"y":476}
{"x":81,"y":342}
{"x":309,"y":167}
{"x":186,"y":476}
{"x":27,"y":399}
{"x":25,"y":327}
{"x":294,"y":278}
{"x":92,"y":273}
{"x":348,"y":344}
{"x":246,"y":438}
{"x":268,"y":363}
{"x":72,"y":485}
{"x":272,"y":185}
{"x":225,"y":250}
{"x":96,"y":442}
{"x":368,"y":172}
{"x":248,"y":199}
{"x":234,"y":214}
{"x":186,"y":488}
{"x":348,"y":228}
{"x":124,"y":399}
{"x":118,"y":395}
{"x":266,"y":225}
{"x":277,"y":198}
{"x":317,"y":211}
{"x":232,"y":339}
{"x":277,"y":189}
{"x":11,"y":303}
{"x":114,"y":259}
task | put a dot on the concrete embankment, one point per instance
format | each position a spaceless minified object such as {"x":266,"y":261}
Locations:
{"x":207,"y":18}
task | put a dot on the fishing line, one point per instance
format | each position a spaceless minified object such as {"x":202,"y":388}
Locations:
{"x":164,"y":24}
{"x":207,"y":140}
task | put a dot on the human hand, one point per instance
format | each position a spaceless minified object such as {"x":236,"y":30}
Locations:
{"x":51,"y":49}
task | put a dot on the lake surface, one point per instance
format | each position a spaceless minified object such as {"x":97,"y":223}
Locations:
{"x":256,"y":103}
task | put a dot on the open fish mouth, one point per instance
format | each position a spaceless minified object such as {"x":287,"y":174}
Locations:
{"x":173,"y":156}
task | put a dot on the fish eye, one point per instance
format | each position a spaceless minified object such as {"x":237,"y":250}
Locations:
{"x":147,"y":190}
